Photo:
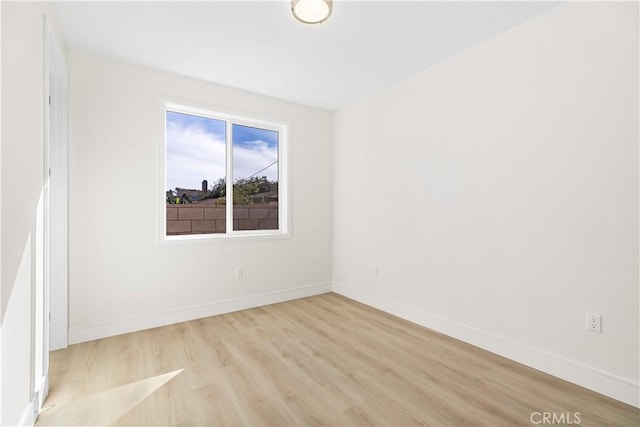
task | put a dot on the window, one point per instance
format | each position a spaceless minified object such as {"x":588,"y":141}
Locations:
{"x":224,"y":174}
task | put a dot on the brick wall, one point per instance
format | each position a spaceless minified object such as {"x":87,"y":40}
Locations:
{"x":203,"y":218}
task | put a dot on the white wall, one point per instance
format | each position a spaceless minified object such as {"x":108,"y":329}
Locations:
{"x":497,"y":193}
{"x":22,"y":182}
{"x":121,"y":279}
{"x":1,"y":306}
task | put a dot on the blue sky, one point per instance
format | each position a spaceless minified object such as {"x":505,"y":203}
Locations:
{"x":243,"y":134}
{"x":196,"y":151}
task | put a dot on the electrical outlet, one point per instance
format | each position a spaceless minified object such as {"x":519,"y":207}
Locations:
{"x":377,"y":271}
{"x":594,"y":322}
{"x":239,"y":273}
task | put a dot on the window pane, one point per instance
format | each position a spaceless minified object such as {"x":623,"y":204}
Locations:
{"x":195,"y":174}
{"x":255,"y":178}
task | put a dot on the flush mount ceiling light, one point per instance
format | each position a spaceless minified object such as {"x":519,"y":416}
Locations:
{"x":311,"y":11}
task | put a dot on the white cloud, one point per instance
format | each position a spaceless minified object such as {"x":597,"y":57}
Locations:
{"x":194,"y":154}
{"x":253,"y":156}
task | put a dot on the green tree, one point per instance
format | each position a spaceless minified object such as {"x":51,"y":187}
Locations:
{"x":243,"y":189}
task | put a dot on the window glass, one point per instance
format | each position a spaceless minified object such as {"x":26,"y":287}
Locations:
{"x":255,"y":178}
{"x":195,"y":174}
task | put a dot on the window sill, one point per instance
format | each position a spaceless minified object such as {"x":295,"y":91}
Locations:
{"x":194,"y":239}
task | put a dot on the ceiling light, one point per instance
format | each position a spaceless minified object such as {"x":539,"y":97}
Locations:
{"x":311,"y":11}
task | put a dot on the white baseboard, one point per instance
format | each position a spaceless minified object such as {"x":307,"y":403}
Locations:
{"x":123,"y":326}
{"x":618,"y":388}
{"x":27,"y":419}
{"x":40,"y":394}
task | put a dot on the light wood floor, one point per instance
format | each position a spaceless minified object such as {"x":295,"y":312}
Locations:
{"x":324,"y":360}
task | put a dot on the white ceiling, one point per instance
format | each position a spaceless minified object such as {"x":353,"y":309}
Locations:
{"x":259,"y":47}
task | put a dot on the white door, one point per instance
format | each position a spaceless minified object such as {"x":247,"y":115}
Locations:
{"x":50,"y":293}
{"x":58,"y":201}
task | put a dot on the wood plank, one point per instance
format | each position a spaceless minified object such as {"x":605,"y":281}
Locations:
{"x":323,"y":360}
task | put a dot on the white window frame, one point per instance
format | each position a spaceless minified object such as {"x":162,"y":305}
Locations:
{"x":230,"y":119}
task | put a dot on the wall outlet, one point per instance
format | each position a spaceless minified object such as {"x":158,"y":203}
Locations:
{"x":239,"y":273}
{"x":376,"y":271}
{"x":594,"y":322}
